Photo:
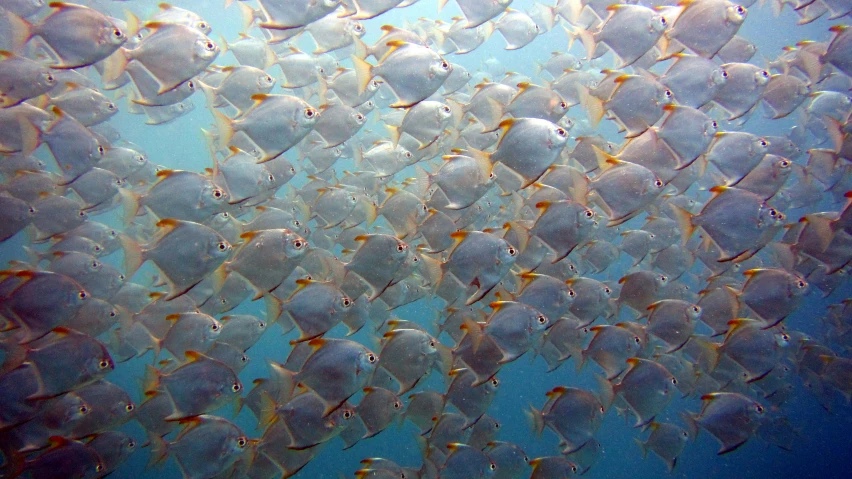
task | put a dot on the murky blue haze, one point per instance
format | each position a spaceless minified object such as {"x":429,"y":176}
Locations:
{"x":822,"y":448}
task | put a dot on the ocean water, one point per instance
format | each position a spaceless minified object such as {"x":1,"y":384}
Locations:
{"x":823,"y":444}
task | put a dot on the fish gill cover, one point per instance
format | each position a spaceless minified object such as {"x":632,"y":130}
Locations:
{"x":419,"y":239}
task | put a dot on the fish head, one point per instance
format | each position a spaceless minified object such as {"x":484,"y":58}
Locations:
{"x":718,"y":77}
{"x":356,"y":29}
{"x":762,"y":77}
{"x":735,"y":14}
{"x":357,"y":119}
{"x":507,"y":254}
{"x":294,"y":245}
{"x":557,"y":138}
{"x":440,"y":68}
{"x":367,"y":361}
{"x":308,"y":117}
{"x":657,"y":24}
{"x":693,"y":312}
{"x":265,"y":81}
{"x":110,"y":34}
{"x":205,"y":49}
{"x":769,"y":217}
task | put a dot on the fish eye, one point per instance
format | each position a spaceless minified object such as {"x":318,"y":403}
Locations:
{"x":541,"y":319}
{"x":298,"y":244}
{"x":397,"y":405}
{"x":310,"y":112}
{"x":99,"y":467}
{"x":49,"y":78}
{"x":117,"y":33}
{"x":526,"y":459}
{"x":668,"y":93}
{"x":214,"y":327}
{"x":663,"y":21}
{"x":493,"y":466}
{"x":674,"y":381}
{"x":512,"y":251}
{"x":202,"y":26}
{"x":292,"y":170}
{"x":432,"y":343}
{"x":82,"y":294}
{"x":445,"y":109}
{"x":218,"y":194}
{"x":222,"y":246}
{"x":371,"y":357}
{"x":112,"y":314}
{"x":271,"y":178}
{"x":242,"y":442}
{"x":763,"y":143}
{"x":658,"y":183}
{"x":601,"y":409}
{"x":84,"y":409}
{"x":129,"y":407}
{"x":724,"y":74}
{"x":101,"y":149}
{"x":663,"y":278}
{"x":359,"y":28}
{"x":772,"y":212}
{"x":637,"y":340}
{"x":563,"y":105}
{"x":261,"y":325}
{"x":347,"y":302}
{"x":801,"y":284}
{"x":740,"y":10}
{"x":785,"y":337}
{"x":495,"y":382}
{"x":81,"y":214}
{"x":103,"y":364}
{"x":764,"y":73}
{"x":210,"y":46}
{"x":607,"y":290}
{"x":111,"y":106}
{"x":571,"y":293}
{"x":696,"y":309}
{"x":236,"y":387}
{"x":491,"y":176}
{"x":445,"y":65}
{"x":574,"y":469}
{"x":131,"y":444}
{"x":784,"y":163}
{"x":374,"y":84}
{"x":400,"y":248}
{"x":759,"y":409}
{"x":561,"y":132}
{"x":715,"y":125}
{"x":359,"y":117}
{"x":32,"y":210}
{"x":244,"y":358}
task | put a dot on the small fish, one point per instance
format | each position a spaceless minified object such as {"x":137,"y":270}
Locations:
{"x":574,"y":414}
{"x":729,"y":417}
{"x":184,"y":251}
{"x":414,"y":72}
{"x":172,"y":54}
{"x":742,"y":89}
{"x":629,"y":32}
{"x":706,"y":26}
{"x":349,"y":362}
{"x":666,"y":441}
{"x":517,"y":28}
{"x":78,"y":36}
{"x":206,"y":446}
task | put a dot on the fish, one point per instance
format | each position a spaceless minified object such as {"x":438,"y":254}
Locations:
{"x":645,"y":387}
{"x":184,"y":251}
{"x":729,"y":417}
{"x":414,"y":72}
{"x":666,"y":441}
{"x":706,"y":26}
{"x":350,"y":362}
{"x":629,"y":31}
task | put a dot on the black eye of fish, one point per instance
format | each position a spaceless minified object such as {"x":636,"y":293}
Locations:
{"x":542,"y":319}
{"x":371,"y":357}
{"x":103,"y":364}
{"x":84,"y":409}
{"x":242,"y":442}
{"x":129,"y":407}
{"x":116,"y":32}
{"x":495,"y":382}
{"x":82,"y":295}
{"x":236,"y":387}
{"x":493,"y":466}
{"x":512,"y":251}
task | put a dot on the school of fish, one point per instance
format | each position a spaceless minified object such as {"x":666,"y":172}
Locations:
{"x":612,"y":209}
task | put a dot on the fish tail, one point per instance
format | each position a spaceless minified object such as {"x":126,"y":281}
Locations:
{"x":134,"y":255}
{"x":114,"y":65}
{"x":588,"y":40}
{"x":363,"y":72}
{"x":594,"y":106}
{"x":159,"y":449}
{"x":20,"y":30}
{"x":684,"y":222}
{"x":362,"y":51}
{"x":607,"y":391}
{"x":642,"y":447}
{"x":225,"y":126}
{"x":536,"y":420}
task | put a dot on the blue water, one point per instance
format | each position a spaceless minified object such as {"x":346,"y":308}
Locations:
{"x":824,"y":443}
